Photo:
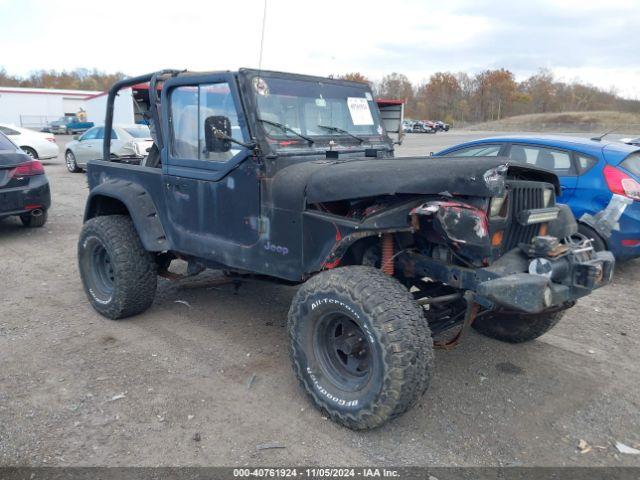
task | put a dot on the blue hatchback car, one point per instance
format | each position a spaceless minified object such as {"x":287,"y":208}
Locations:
{"x":590,"y":171}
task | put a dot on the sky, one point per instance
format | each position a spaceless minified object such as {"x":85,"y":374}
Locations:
{"x":596,"y":42}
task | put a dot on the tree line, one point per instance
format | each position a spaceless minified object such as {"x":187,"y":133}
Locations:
{"x":492,"y":95}
{"x":452,"y":97}
{"x":79,"y":79}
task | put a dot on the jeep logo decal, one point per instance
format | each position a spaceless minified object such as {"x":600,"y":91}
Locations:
{"x":276,"y":248}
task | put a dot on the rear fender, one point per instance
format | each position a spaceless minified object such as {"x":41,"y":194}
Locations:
{"x":123,"y":197}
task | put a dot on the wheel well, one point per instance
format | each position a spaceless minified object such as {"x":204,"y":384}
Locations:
{"x":355,"y":252}
{"x":605,"y":241}
{"x":102,"y":205}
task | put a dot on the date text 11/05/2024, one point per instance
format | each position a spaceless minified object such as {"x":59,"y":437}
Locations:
{"x":316,"y":472}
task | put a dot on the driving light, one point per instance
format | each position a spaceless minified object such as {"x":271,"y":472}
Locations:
{"x":530,"y":217}
{"x":547,"y":193}
{"x":496,"y":206}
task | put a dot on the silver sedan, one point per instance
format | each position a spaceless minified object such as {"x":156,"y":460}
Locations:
{"x":127,"y":141}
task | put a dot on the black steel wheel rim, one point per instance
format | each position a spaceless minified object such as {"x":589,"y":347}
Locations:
{"x":101,"y":271}
{"x":343,"y":352}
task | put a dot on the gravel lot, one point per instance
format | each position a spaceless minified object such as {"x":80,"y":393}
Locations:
{"x":76,"y":389}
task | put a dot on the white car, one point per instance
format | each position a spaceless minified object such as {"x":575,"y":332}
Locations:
{"x":129,"y":143}
{"x":37,"y":145}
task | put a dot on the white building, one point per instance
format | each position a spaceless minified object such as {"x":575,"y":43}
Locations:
{"x":123,"y":108}
{"x":36,"y":107}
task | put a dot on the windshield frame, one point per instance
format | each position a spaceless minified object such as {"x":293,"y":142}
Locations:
{"x":280,"y":141}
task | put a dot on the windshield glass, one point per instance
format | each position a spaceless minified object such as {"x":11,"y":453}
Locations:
{"x":139,"y":132}
{"x":316,"y":109}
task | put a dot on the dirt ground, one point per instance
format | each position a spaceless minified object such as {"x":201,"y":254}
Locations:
{"x":76,"y":389}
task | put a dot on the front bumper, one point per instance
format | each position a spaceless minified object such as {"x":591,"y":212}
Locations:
{"x":508,"y":285}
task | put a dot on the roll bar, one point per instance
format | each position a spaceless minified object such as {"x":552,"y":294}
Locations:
{"x":152,"y":78}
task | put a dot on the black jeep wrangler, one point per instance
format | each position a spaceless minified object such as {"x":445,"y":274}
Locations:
{"x":292,"y":178}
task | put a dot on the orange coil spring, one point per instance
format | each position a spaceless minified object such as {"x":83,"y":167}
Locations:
{"x":387,"y":254}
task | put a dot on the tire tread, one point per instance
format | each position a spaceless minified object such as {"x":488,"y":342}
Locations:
{"x":136,"y":269}
{"x":515,"y":327}
{"x":401,"y":329}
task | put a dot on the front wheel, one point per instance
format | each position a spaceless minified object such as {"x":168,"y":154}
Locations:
{"x":118,"y":274}
{"x":516,"y":327}
{"x":360,"y":345}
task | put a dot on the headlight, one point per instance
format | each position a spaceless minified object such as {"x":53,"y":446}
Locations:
{"x":547,"y":194}
{"x":496,"y":206}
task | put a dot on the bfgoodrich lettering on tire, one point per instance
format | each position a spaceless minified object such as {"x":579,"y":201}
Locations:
{"x":118,"y":274}
{"x":360,"y":345}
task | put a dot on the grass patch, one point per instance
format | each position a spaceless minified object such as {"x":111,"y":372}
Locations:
{"x":597,"y":121}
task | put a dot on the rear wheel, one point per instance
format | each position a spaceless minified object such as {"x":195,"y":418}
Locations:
{"x":70,"y":161}
{"x":118,"y":274}
{"x":360,"y":345}
{"x":30,"y":151}
{"x":516,"y":327}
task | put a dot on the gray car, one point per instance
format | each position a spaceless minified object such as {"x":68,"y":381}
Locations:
{"x":128,"y":142}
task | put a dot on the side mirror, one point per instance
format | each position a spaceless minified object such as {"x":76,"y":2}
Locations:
{"x":217,"y":133}
{"x":76,"y":137}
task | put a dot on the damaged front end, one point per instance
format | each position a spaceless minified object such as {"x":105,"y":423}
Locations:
{"x":510,"y":249}
{"x":517,"y":251}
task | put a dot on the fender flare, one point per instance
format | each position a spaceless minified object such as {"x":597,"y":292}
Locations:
{"x":139,"y":206}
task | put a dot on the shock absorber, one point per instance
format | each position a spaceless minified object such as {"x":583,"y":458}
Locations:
{"x":386,"y":263}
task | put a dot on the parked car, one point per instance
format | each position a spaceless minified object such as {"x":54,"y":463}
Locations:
{"x":129,"y":143}
{"x":631,"y":141}
{"x":407,"y":126}
{"x":35,"y":144}
{"x":430,"y":125}
{"x":69,"y":124}
{"x":423,"y":127}
{"x":444,"y":127}
{"x":592,"y":174}
{"x":24,"y":187}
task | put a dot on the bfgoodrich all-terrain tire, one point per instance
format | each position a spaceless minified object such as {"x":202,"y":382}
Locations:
{"x":118,"y":274}
{"x":360,"y":345}
{"x":517,"y":327}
